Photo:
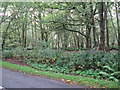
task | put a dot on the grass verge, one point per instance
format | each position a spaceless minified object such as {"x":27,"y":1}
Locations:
{"x":81,"y":80}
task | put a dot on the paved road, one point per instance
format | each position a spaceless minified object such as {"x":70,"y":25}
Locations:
{"x":12,"y":79}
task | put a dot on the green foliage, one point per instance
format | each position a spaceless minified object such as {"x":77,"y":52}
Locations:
{"x":108,"y":68}
{"x":13,"y":45}
{"x":87,"y":60}
{"x":79,"y":79}
{"x":71,"y":49}
{"x":7,"y":54}
{"x":104,"y":73}
{"x":29,"y":48}
{"x":18,"y":52}
{"x":85,"y":63}
{"x":90,"y":73}
{"x":110,"y":73}
{"x":59,"y":24}
{"x":114,"y":48}
{"x":43,"y":45}
{"x":52,"y":68}
{"x":79,"y":63}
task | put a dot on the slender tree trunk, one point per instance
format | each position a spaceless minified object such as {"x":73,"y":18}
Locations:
{"x":88,"y":39}
{"x":65,"y":39}
{"x":58,"y":40}
{"x":102,"y":26}
{"x":19,"y":34}
{"x":94,"y":35}
{"x":23,"y":35}
{"x":78,"y":40}
{"x":25,"y":31}
{"x":25,"y":38}
{"x":41,"y":28}
{"x":32,"y":35}
{"x":118,"y":25}
{"x":88,"y":30}
{"x":82,"y":42}
{"x":93,"y":27}
{"x":107,"y":31}
{"x":114,"y":28}
{"x":74,"y":39}
{"x":5,"y":34}
{"x":35,"y":33}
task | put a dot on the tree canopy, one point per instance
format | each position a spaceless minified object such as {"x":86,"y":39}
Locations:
{"x":60,"y":24}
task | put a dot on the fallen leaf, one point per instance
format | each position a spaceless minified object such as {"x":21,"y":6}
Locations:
{"x":71,"y":83}
{"x":68,"y":80}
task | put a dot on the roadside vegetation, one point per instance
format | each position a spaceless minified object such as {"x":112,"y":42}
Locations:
{"x":97,"y":65}
{"x":91,"y":83}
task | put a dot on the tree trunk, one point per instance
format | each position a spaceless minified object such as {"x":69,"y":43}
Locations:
{"x":118,"y":24}
{"x":88,"y":29}
{"x":88,"y":39}
{"x":114,"y":28}
{"x":102,"y":27}
{"x":42,"y":32}
{"x":35,"y":33}
{"x":5,"y":34}
{"x":94,"y":35}
{"x":93,"y":27}
{"x":65,"y":39}
{"x":106,"y":24}
{"x":82,"y":42}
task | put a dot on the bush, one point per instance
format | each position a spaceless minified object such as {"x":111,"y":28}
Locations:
{"x":18,"y":52}
{"x":43,"y":44}
{"x":114,"y":48}
{"x":71,"y":49}
{"x":110,"y":73}
{"x":85,"y":63}
{"x":6,"y":54}
{"x":88,"y":60}
{"x":29,"y":48}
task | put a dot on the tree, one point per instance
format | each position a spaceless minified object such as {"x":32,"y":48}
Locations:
{"x":118,"y":25}
{"x":61,"y":24}
{"x":102,"y":26}
{"x":106,"y":24}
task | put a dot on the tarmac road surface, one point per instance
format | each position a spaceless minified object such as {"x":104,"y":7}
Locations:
{"x":12,"y":79}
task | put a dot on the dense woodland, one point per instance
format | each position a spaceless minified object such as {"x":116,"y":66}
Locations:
{"x":68,"y":37}
{"x":60,"y":25}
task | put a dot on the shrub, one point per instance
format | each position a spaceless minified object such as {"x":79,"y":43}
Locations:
{"x":114,"y":48}
{"x":43,"y":44}
{"x":88,"y":60}
{"x":71,"y":49}
{"x":18,"y":52}
{"x":98,"y":64}
{"x":110,"y":73}
{"x":7,"y":54}
{"x":29,"y":48}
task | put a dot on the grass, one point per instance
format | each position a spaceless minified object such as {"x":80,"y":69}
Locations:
{"x":81,"y":80}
